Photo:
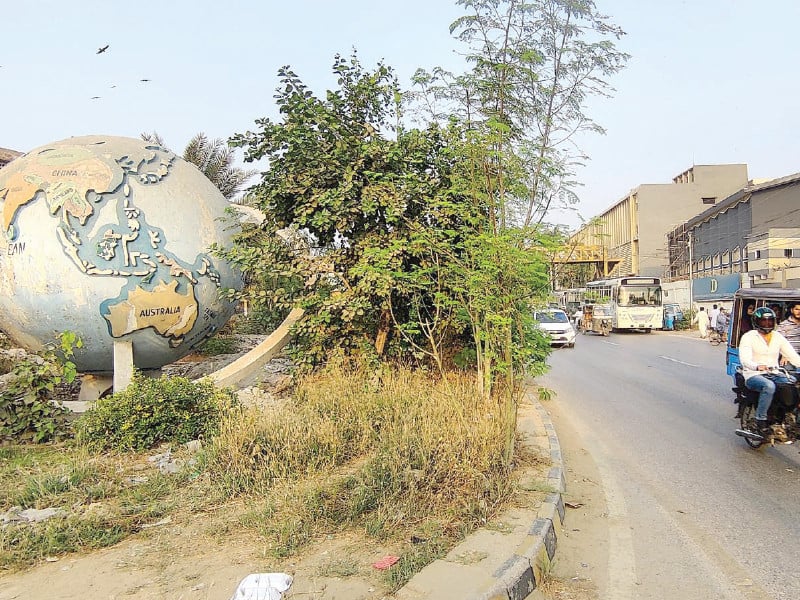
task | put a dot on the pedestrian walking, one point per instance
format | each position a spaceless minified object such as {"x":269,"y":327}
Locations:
{"x":701,"y":319}
{"x":712,"y":316}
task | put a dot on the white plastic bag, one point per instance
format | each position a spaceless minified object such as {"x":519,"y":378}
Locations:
{"x":263,"y":586}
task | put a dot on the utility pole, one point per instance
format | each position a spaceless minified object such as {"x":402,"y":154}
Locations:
{"x":689,"y":243}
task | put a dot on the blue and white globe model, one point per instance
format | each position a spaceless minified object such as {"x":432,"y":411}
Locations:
{"x":110,"y":237}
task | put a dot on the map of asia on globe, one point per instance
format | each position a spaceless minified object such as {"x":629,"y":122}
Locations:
{"x":111,"y":238}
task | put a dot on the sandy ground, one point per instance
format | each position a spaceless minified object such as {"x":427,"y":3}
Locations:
{"x":187,"y":561}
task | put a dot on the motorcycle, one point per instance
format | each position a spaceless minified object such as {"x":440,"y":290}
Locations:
{"x":781,"y":417}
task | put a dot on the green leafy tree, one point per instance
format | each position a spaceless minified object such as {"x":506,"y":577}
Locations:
{"x":397,"y":226}
{"x":216,"y":161}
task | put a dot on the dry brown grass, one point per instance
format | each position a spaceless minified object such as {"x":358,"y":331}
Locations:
{"x":398,"y":453}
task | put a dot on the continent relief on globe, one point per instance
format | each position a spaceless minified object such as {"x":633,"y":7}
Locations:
{"x":101,"y":224}
{"x":163,"y":308}
{"x":66,"y":175}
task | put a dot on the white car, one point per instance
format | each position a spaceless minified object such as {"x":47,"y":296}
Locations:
{"x":556,"y":323}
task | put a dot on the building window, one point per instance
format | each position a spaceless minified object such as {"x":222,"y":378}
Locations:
{"x":757,"y":254}
{"x":710,"y":200}
{"x":789,"y":253}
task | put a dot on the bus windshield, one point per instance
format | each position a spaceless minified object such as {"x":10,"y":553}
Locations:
{"x":639,"y":295}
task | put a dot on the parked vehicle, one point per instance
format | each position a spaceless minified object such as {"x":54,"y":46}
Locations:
{"x":556,"y":324}
{"x":672,"y":312}
{"x":782,"y":416}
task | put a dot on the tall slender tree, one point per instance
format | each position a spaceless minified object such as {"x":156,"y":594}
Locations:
{"x":534,"y":64}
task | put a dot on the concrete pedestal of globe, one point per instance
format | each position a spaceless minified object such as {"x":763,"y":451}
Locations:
{"x":96,"y":386}
{"x":112,"y":238}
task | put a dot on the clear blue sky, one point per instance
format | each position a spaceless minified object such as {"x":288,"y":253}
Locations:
{"x":709,"y":81}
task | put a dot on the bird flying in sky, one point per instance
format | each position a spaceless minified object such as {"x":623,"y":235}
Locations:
{"x":103,"y":49}
{"x":94,"y":98}
{"x":144,"y":80}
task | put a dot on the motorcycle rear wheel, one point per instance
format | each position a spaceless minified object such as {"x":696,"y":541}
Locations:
{"x":748,"y":423}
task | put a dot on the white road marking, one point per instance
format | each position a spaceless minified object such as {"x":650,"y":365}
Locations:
{"x":611,"y":343}
{"x":678,"y":361}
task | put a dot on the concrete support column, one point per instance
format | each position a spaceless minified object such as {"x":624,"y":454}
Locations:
{"x":123,"y":365}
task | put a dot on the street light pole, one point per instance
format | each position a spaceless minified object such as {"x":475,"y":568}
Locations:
{"x":691,"y":299}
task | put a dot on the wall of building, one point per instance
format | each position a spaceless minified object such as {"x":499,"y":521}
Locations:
{"x":662,"y":207}
{"x":776,"y":207}
{"x":720,"y":243}
{"x":676,"y":292}
{"x":773,"y":250}
{"x":635,"y":228}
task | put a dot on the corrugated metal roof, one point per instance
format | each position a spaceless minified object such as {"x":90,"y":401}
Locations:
{"x":741,"y":196}
{"x":786,"y":180}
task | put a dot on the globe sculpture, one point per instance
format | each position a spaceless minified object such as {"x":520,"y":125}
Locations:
{"x":110,"y":237}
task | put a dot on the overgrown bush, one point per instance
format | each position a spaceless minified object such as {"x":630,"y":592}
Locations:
{"x":152,"y":411}
{"x":28,"y":411}
{"x":262,"y":319}
{"x":6,"y":362}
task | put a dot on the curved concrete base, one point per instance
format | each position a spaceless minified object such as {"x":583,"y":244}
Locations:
{"x":246,"y":366}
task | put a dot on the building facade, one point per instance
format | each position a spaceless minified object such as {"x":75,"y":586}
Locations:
{"x":634,"y":230}
{"x":754,"y":232}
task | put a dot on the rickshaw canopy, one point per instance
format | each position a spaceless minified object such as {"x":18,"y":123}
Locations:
{"x":778,"y":299}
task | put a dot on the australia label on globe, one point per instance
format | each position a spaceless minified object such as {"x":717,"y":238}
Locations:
{"x":111,"y":238}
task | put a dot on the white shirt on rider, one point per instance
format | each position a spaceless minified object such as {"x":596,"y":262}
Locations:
{"x":754,"y":351}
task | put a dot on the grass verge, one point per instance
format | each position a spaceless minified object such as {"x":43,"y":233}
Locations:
{"x":413,"y":461}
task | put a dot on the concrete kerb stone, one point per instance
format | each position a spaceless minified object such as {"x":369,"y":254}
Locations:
{"x":503,"y":570}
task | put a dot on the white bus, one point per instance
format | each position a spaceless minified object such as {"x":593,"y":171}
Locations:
{"x":570,"y":300}
{"x":635,"y":301}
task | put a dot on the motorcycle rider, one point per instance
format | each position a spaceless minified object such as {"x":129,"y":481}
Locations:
{"x":759,"y":350}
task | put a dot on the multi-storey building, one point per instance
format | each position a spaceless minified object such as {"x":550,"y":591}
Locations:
{"x":634,"y":230}
{"x":754,"y":232}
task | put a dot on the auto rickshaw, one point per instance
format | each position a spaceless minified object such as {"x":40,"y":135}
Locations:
{"x":783,"y":424}
{"x":596,"y":318}
{"x":745,"y":301}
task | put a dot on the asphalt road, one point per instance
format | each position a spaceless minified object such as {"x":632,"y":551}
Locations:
{"x":692,"y":511}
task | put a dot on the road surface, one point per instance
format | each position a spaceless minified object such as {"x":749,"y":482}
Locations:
{"x":689,"y":510}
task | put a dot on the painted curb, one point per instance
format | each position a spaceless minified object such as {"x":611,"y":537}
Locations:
{"x":520,"y":575}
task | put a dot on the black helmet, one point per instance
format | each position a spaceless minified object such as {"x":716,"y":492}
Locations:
{"x":764,"y":319}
